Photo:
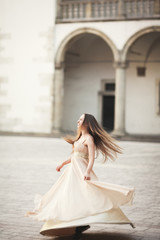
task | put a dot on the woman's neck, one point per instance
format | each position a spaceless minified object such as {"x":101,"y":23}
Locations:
{"x":84,"y":132}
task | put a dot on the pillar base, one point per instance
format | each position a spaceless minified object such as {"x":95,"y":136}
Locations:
{"x":57,"y":133}
{"x":118,"y":133}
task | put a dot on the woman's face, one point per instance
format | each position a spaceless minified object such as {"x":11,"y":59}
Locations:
{"x":80,"y":121}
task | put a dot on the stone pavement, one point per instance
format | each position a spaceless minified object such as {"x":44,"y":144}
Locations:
{"x":27,"y":167}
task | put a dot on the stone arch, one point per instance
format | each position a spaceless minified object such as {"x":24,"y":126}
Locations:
{"x":134,"y":37}
{"x":59,"y":70}
{"x":64,"y":44}
{"x":138,"y":55}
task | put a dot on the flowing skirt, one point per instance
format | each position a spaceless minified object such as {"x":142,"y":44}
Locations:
{"x":72,"y":202}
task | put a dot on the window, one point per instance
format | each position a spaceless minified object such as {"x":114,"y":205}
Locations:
{"x":110,"y":86}
{"x":141,"y":71}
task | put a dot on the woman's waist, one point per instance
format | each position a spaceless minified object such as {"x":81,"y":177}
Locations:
{"x":81,"y":154}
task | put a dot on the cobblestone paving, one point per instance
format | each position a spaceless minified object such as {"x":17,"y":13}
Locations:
{"x":27,"y":167}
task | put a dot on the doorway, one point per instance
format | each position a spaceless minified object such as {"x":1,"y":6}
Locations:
{"x":108,"y":112}
{"x":107,"y":104}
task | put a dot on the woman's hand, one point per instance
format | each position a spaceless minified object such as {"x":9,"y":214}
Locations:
{"x":87,"y":176}
{"x":58,"y":168}
{"x":29,"y":213}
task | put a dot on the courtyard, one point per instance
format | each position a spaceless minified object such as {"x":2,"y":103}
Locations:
{"x":28,"y":166}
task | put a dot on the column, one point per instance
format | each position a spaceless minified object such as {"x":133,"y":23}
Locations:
{"x":88,"y":13}
{"x":156,"y":7}
{"x":119,"y":116}
{"x":121,"y":9}
{"x":58,"y":96}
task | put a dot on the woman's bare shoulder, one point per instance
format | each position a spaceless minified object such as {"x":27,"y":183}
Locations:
{"x":89,"y":138}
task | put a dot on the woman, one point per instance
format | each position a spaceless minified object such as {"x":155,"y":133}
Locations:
{"x":78,"y":198}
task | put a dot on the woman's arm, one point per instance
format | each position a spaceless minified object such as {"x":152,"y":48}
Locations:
{"x":58,"y":168}
{"x":91,"y":152}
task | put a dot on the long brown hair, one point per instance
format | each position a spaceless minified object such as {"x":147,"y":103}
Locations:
{"x":103,"y":141}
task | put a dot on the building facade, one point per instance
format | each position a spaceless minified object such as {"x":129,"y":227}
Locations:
{"x":59,"y":59}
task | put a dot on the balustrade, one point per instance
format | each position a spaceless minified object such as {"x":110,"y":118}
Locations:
{"x":99,"y":10}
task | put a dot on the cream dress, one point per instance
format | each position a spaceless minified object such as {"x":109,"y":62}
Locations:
{"x":73,"y":202}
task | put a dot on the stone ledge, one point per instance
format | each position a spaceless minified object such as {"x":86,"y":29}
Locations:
{"x":139,"y":138}
{"x":31,"y":134}
{"x":56,"y":134}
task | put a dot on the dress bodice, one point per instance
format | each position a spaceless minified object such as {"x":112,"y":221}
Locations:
{"x":80,"y":149}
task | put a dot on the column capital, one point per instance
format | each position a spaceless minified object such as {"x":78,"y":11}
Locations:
{"x":120,"y":64}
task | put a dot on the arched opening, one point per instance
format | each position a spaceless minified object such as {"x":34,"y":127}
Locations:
{"x":143,"y":82}
{"x":86,"y":60}
{"x":88,"y":64}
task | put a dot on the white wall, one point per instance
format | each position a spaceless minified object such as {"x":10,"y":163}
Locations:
{"x":81,"y":91}
{"x":26,"y":65}
{"x":141,"y":99}
{"x":118,"y":31}
{"x":141,"y":116}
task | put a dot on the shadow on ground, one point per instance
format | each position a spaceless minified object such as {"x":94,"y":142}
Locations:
{"x":97,"y":236}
